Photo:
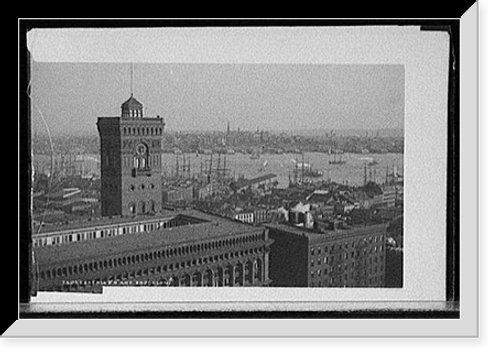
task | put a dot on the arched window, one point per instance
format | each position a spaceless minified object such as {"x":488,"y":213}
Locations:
{"x":131,"y":207}
{"x":142,"y":207}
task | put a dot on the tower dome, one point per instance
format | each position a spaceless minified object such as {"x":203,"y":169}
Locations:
{"x":131,"y":108}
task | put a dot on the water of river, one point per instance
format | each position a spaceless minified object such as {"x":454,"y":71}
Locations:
{"x":283,"y":165}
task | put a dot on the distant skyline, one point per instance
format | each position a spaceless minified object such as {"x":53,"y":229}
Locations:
{"x":68,"y":97}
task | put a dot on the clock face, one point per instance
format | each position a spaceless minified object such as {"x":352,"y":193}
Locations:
{"x":141,"y":149}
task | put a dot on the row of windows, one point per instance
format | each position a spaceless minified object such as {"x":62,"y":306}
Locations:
{"x":132,"y":162}
{"x":144,"y":257}
{"x":359,"y":266}
{"x":132,"y":144}
{"x":132,"y":112}
{"x":142,"y":207}
{"x":138,"y":228}
{"x":356,"y":254}
{"x":191,"y":249}
{"x":221,"y":276}
{"x":344,"y":270}
{"x":346,"y":245}
{"x":99,"y":233}
{"x":244,"y":217}
{"x":140,"y":187}
{"x":142,"y":162}
{"x":143,"y":130}
{"x":346,"y":282}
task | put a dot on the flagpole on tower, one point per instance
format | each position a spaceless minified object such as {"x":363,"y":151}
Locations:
{"x":132,"y":79}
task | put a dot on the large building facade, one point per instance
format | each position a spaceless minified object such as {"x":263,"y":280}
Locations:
{"x":302,"y":257}
{"x":131,"y":147}
{"x":192,"y":249}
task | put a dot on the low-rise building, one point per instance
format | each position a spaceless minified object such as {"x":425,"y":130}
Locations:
{"x":261,"y":215}
{"x":245,"y":216}
{"x":389,"y":195}
{"x":70,"y":232}
{"x":262,"y":183}
{"x":369,"y":195}
{"x":320,"y":197}
{"x":178,"y":194}
{"x":343,"y":207}
{"x":203,"y":191}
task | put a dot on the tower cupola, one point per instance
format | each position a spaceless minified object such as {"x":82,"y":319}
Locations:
{"x":132,"y":108}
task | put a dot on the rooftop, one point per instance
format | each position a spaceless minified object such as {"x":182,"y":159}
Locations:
{"x":213,"y":227}
{"x":243,"y":182}
{"x":132,"y":103}
{"x":92,"y":222}
{"x":313,"y":235}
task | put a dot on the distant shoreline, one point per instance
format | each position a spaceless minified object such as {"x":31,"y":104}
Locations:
{"x":383,"y":132}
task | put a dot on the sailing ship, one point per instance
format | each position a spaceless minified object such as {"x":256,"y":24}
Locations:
{"x":304,"y":170}
{"x":370,"y":161}
{"x":313,"y":173}
{"x":307,"y":169}
{"x":337,"y":160}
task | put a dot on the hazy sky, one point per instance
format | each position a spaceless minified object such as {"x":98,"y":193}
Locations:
{"x":68,"y":97}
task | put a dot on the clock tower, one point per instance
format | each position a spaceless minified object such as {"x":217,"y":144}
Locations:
{"x":131,"y":148}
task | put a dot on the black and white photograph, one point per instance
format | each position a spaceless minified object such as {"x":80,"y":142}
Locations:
{"x":224,"y":175}
{"x":241,"y":172}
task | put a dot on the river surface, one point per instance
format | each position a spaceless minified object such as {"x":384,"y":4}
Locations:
{"x":352,"y":172}
{"x":284,"y":165}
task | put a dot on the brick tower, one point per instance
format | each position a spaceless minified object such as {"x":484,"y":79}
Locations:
{"x":131,"y":147}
